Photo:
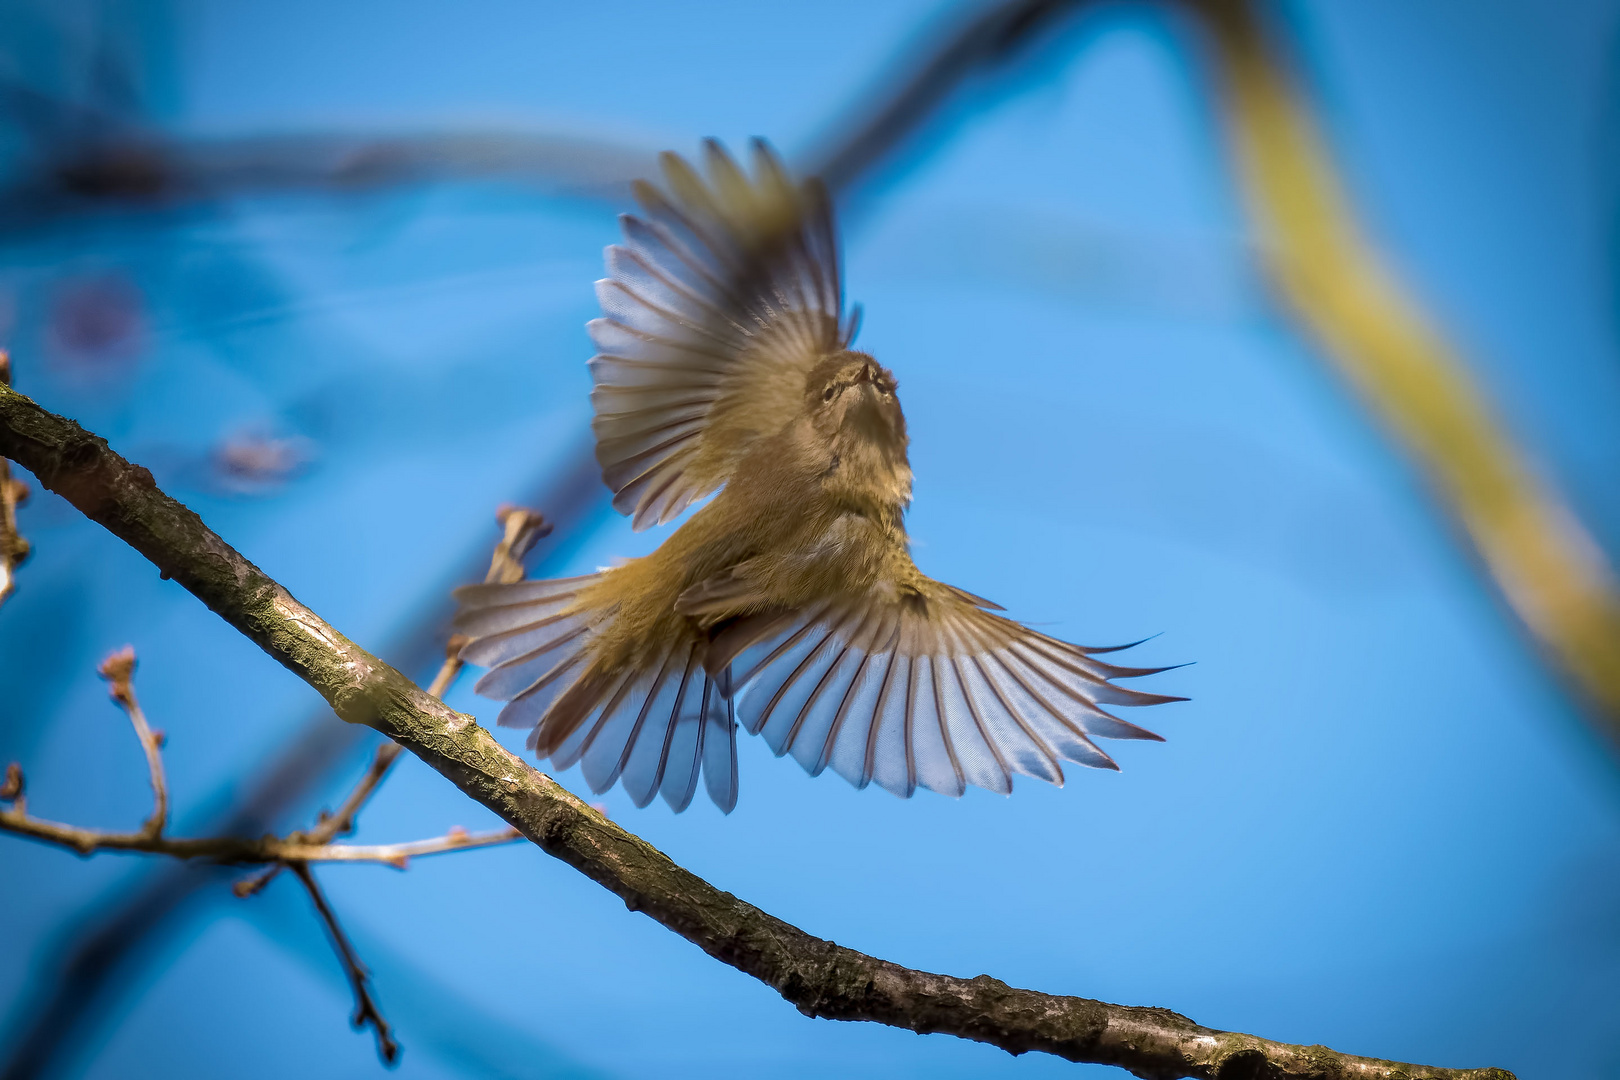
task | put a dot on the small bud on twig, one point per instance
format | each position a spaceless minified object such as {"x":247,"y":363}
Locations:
{"x":13,"y":787}
{"x":117,"y":669}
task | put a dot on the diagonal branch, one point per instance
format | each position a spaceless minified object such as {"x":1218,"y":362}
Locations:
{"x":819,"y":977}
{"x":1550,"y":571}
{"x":1548,"y":568}
{"x":520,"y":529}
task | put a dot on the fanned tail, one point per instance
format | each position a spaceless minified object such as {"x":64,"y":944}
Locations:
{"x":653,"y":728}
{"x":935,"y":692}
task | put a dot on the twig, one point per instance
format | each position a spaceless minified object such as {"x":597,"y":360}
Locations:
{"x":365,"y":1006}
{"x":13,"y":493}
{"x":227,"y":849}
{"x":521,"y":529}
{"x":296,"y":851}
{"x":14,"y":789}
{"x":119,"y":671}
{"x":819,"y":977}
{"x":92,"y":963}
{"x":315,"y":846}
{"x":1550,"y":571}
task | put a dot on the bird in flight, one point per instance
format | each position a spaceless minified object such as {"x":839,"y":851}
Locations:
{"x":789,"y":603}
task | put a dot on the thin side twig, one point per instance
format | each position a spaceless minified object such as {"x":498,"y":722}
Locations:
{"x":119,"y":671}
{"x":13,"y":493}
{"x":365,"y":1006}
{"x":232,"y":850}
{"x":818,"y":977}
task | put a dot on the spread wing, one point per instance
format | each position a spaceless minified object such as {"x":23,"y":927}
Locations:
{"x":921,"y":687}
{"x":715,"y":307}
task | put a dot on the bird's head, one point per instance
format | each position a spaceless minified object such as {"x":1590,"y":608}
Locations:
{"x":849,"y":394}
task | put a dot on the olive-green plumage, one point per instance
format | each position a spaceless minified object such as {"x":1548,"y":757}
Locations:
{"x":790,"y":600}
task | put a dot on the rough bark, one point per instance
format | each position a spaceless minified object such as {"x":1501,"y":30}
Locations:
{"x":818,"y":977}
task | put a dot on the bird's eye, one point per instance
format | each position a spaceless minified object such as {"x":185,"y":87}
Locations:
{"x":827,"y":394}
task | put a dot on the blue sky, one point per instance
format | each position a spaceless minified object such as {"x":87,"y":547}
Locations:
{"x":1377,"y":825}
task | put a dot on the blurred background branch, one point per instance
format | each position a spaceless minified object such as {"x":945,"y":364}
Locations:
{"x":153,"y":171}
{"x":1552,"y":575}
{"x":1543,"y":562}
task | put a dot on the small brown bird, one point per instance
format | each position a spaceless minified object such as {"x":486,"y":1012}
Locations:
{"x":790,"y":601}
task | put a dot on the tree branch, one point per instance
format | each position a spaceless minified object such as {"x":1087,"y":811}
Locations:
{"x":297,"y":851}
{"x":13,"y":493}
{"x":136,"y":168}
{"x":119,"y":670}
{"x":819,"y":977}
{"x":1551,"y":572}
{"x":520,"y":529}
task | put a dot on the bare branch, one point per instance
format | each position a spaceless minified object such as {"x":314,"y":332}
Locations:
{"x":521,"y":528}
{"x":986,"y":38}
{"x":13,"y":493}
{"x":119,"y":671}
{"x":365,"y":1006}
{"x":316,"y":846}
{"x":226,"y":849}
{"x":148,"y":168}
{"x":819,"y":977}
{"x":1548,"y":568}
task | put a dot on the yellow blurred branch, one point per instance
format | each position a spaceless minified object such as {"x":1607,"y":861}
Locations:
{"x":1549,"y":570}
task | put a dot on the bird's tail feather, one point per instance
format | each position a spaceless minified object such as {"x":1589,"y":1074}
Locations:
{"x":653,"y":728}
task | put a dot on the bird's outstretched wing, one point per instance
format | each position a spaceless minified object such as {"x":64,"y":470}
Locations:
{"x":715,"y":307}
{"x":922,"y":687}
